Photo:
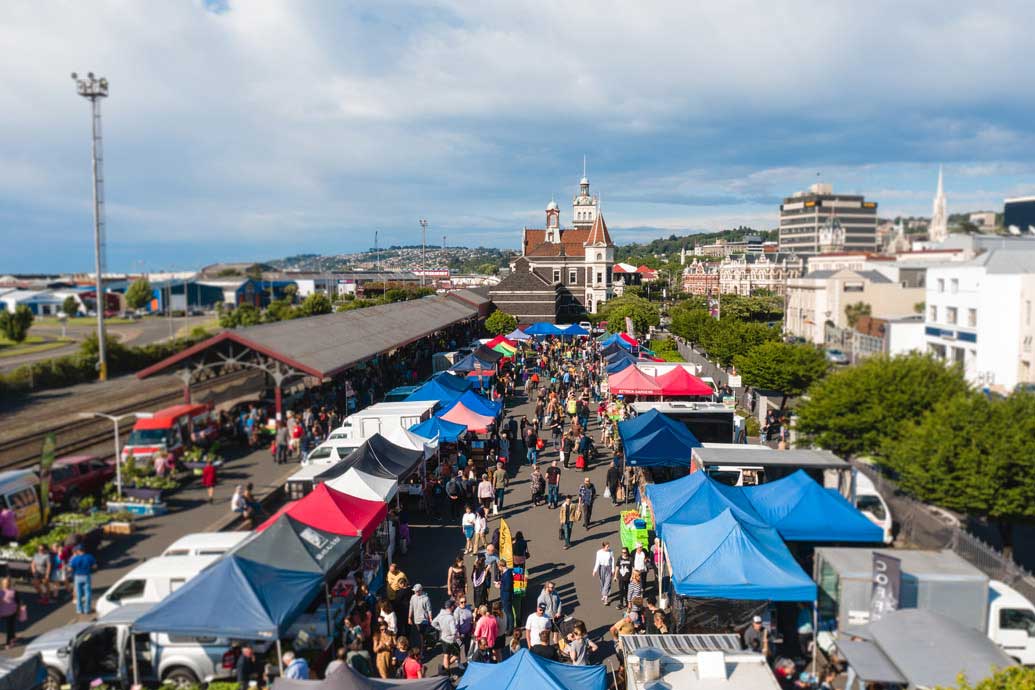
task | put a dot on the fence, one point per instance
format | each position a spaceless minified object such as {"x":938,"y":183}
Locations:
{"x":929,"y":527}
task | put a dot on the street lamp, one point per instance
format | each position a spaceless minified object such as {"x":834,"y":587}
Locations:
{"x":118,"y":451}
{"x":423,"y":248}
{"x":94,"y":89}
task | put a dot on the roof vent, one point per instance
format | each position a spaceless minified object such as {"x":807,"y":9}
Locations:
{"x":711,"y":665}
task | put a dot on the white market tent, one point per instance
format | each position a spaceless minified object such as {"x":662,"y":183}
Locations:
{"x":407,"y":439}
{"x":362,"y":485}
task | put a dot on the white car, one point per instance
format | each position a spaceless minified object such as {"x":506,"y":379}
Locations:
{"x":836,"y":356}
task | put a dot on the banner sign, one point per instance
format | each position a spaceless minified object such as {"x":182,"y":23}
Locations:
{"x":47,"y":457}
{"x":887,"y":585}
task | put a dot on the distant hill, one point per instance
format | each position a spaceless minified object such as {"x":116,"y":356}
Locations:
{"x":671,"y":246}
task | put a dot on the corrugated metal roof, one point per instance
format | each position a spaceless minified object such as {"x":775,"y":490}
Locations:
{"x":873,"y":276}
{"x":793,"y":457}
{"x":675,"y":645}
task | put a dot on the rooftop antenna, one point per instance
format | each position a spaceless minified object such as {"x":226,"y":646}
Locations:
{"x":583,"y":165}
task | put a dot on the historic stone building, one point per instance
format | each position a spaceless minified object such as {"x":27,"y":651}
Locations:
{"x":574,"y":264}
{"x":751,"y":273}
{"x":701,"y":278}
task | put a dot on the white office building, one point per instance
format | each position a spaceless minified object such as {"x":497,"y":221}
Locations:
{"x":978,"y":313}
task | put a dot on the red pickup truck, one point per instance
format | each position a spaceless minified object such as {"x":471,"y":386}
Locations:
{"x":76,"y":477}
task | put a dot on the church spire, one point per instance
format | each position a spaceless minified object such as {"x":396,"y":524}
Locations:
{"x":938,"y":230}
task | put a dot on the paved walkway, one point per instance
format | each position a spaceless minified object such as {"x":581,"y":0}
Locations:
{"x":571,"y":570}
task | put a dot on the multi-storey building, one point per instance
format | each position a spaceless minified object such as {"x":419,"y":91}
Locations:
{"x":701,"y":278}
{"x":805,"y":215}
{"x":979,"y":314}
{"x":754,"y":272}
{"x":575,"y":263}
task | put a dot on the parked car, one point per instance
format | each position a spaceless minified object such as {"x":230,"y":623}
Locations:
{"x":76,"y":477}
{"x":836,"y":356}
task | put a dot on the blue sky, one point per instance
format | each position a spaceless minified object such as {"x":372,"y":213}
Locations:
{"x":249,"y":130}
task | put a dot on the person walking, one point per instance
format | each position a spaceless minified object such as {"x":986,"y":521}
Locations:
{"x":587,"y":494}
{"x":567,"y":512}
{"x":464,"y":617}
{"x":419,"y":612}
{"x":10,"y":607}
{"x":41,"y":567}
{"x":467,"y":526}
{"x":208,"y":478}
{"x":553,"y":484}
{"x":486,"y":493}
{"x":506,"y":584}
{"x":456,"y":578}
{"x":634,"y":595}
{"x":481,"y":529}
{"x":614,"y":478}
{"x":82,"y":565}
{"x":281,"y":441}
{"x":552,"y":601}
{"x":603,"y":568}
{"x":448,"y":635}
{"x":536,"y":484}
{"x":623,"y":573}
{"x":500,"y":481}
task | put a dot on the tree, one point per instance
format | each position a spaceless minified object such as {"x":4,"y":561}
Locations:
{"x":316,"y":303}
{"x":692,"y":324}
{"x":1010,"y":678}
{"x":788,"y":368}
{"x":730,"y":339}
{"x":854,"y":312}
{"x":971,"y":454}
{"x":138,"y":294}
{"x":500,"y":322}
{"x":919,"y":307}
{"x":643,"y":314}
{"x":70,"y":307}
{"x":16,"y":326}
{"x":291,"y":292}
{"x":487,"y":269}
{"x":852,"y":411}
{"x":761,"y":308}
{"x":280,"y":310}
{"x":243,"y":315}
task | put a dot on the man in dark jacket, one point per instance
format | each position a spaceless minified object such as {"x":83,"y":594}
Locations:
{"x":247,"y":667}
{"x":587,"y":494}
{"x":506,"y":584}
{"x":614,"y":477}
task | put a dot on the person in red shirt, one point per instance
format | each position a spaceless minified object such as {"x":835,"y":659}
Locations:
{"x":208,"y":478}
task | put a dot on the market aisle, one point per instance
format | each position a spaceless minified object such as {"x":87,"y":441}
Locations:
{"x":435,"y":545}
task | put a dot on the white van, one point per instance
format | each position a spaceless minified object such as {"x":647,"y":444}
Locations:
{"x":205,"y":544}
{"x":1011,"y":622}
{"x":382,"y":418}
{"x":331,"y":451}
{"x":152,"y":581}
{"x":870,"y":503}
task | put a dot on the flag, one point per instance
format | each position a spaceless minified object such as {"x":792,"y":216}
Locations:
{"x":887,"y":585}
{"x":47,"y":456}
{"x":506,"y":545}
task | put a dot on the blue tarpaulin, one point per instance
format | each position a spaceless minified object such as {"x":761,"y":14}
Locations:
{"x":802,"y":510}
{"x":440,"y":390}
{"x":616,"y":339}
{"x":574,"y":330}
{"x":447,"y":432}
{"x":234,"y":597}
{"x":479,"y":404}
{"x":654,"y":440}
{"x":697,"y":498}
{"x":527,"y":670}
{"x":457,"y":383}
{"x":542,"y":328}
{"x":725,"y":558}
{"x":620,"y":355}
{"x":473,"y":363}
{"x":620,"y":365}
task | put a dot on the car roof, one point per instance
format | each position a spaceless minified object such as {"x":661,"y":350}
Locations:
{"x":207,"y":539}
{"x":171,"y":565}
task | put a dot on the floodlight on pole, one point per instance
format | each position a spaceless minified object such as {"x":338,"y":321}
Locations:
{"x":93,"y":89}
{"x":118,"y":451}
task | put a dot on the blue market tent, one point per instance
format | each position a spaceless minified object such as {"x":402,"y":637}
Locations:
{"x":541,"y":328}
{"x":802,"y":510}
{"x":620,"y":365}
{"x":610,"y":350}
{"x":527,"y":670}
{"x":615,"y":339}
{"x":473,"y":363}
{"x":457,"y":383}
{"x":574,"y":330}
{"x":444,"y":388}
{"x":518,"y":334}
{"x":620,"y":355}
{"x":697,"y":498}
{"x":727,"y":559}
{"x":479,"y":404}
{"x":447,"y":432}
{"x":234,"y":597}
{"x":654,"y":440}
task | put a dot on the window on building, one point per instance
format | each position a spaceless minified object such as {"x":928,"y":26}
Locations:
{"x":950,"y":315}
{"x":600,"y":256}
{"x":972,"y":318}
{"x":600,"y":278}
{"x":954,"y":285}
{"x":937,"y":350}
{"x":556,"y":275}
{"x":958,"y":355}
{"x":932,"y":312}
{"x":941,"y":285}
{"x":573,"y":277}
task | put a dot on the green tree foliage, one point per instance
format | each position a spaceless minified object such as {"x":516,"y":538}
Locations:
{"x":500,"y":322}
{"x":243,"y":315}
{"x":643,"y":314}
{"x":763,"y":308}
{"x":691,"y":324}
{"x":488,"y":269}
{"x":16,"y":326}
{"x":70,"y":307}
{"x":727,"y":340}
{"x":854,"y":410}
{"x":785,"y":367}
{"x":1011,"y":678}
{"x":290,"y":293}
{"x":854,"y":312}
{"x":316,"y":303}
{"x":971,"y":454}
{"x":138,"y":294}
{"x":279,"y":310}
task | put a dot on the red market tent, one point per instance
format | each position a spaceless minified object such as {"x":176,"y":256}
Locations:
{"x":458,"y":413}
{"x":628,"y":338}
{"x":679,"y":381}
{"x":501,"y":339}
{"x":632,"y":381}
{"x":332,"y":511}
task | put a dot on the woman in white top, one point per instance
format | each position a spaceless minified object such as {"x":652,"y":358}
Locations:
{"x":387,"y":614}
{"x":481,"y":529}
{"x":467,"y":525}
{"x":604,"y":568}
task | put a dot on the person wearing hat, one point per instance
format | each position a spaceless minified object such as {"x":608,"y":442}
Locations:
{"x":537,"y":622}
{"x":587,"y":493}
{"x":448,"y":635}
{"x":420,"y":611}
{"x":756,"y":636}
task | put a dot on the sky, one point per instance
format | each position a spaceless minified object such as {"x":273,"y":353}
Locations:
{"x":248,"y":130}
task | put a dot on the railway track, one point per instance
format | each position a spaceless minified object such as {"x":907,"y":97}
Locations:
{"x":94,"y":436}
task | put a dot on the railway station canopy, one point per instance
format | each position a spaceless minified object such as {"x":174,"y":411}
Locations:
{"x":320,"y":346}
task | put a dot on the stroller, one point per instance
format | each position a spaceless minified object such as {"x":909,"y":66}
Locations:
{"x":538,"y":487}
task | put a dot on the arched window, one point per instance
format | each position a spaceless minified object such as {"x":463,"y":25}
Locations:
{"x":600,"y":257}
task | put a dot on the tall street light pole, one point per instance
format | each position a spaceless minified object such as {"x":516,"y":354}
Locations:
{"x":118,"y":451}
{"x":94,"y":89}
{"x":423,"y":248}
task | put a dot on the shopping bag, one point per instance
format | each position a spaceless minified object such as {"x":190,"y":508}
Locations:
{"x":607,"y":492}
{"x":495,"y":509}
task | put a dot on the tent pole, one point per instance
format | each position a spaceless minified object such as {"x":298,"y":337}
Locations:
{"x":327,"y":594}
{"x":133,"y":651}
{"x":280,"y":658}
{"x":815,"y":634}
